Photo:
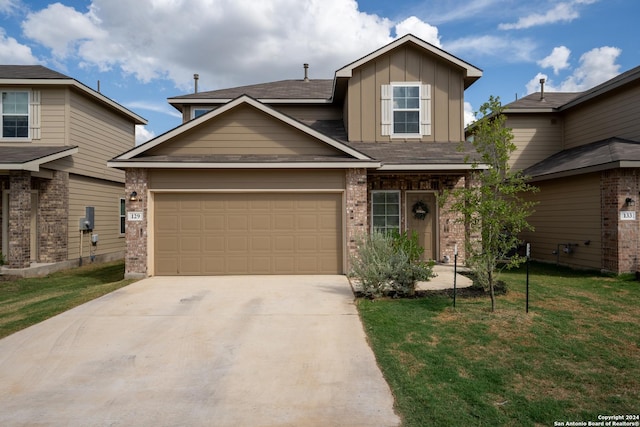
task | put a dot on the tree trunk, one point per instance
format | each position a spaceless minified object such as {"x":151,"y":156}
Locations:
{"x":491,"y":292}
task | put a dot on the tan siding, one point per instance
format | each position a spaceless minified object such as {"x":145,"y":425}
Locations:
{"x":536,"y":138}
{"x":244,"y":130}
{"x":569,"y":212}
{"x":405,"y":64}
{"x":104,"y":197}
{"x":53,"y":116}
{"x":232,"y":179}
{"x":100,"y":135}
{"x":616,"y":114}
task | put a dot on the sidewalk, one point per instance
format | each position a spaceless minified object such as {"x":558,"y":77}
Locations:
{"x":444,"y":279}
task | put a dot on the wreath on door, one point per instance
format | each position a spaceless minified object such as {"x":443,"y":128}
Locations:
{"x":420,"y":210}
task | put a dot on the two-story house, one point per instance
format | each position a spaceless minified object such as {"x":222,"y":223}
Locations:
{"x":284,"y":177}
{"x":61,"y":204}
{"x":583,"y":151}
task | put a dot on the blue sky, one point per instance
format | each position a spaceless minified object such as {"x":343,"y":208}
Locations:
{"x":144,"y":51}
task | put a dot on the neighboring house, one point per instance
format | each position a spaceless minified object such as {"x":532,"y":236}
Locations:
{"x":285,"y":177}
{"x":583,"y":151}
{"x":57,"y":135}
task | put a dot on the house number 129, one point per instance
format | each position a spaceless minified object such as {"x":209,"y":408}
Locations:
{"x":134,"y":216}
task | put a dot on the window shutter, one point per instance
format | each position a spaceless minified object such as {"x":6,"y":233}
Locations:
{"x":386,"y":111}
{"x":34,"y":115}
{"x":425,"y":109}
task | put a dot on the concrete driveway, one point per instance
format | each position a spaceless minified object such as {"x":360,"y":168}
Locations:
{"x":199,"y":351}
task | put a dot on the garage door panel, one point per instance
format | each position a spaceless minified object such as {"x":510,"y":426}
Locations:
{"x":248,"y":233}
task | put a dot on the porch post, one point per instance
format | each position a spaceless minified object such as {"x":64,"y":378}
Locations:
{"x":19,"y":255}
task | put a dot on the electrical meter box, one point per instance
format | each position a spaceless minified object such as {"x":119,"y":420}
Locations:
{"x":87,"y":223}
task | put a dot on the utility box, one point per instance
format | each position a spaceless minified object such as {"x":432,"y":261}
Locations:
{"x":87,"y":223}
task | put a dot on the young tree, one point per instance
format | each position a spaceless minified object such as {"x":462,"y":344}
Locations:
{"x":492,"y":207}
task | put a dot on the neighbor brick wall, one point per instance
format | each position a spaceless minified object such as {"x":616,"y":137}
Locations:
{"x":620,"y":239}
{"x":356,"y":207}
{"x":136,"y":232}
{"x":19,"y":219}
{"x":53,"y":214}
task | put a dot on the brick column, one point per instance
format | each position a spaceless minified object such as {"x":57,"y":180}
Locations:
{"x":53,"y":215}
{"x":620,"y":238}
{"x":452,"y":230}
{"x":19,"y":219}
{"x":136,"y":231}
{"x":356,"y":208}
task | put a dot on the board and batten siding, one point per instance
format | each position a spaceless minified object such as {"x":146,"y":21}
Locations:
{"x":569,"y":212}
{"x":104,"y":196}
{"x":405,"y":64}
{"x":536,"y":138}
{"x":615,"y":114}
{"x":243,"y":130}
{"x":54,"y":112}
{"x":241,"y":180}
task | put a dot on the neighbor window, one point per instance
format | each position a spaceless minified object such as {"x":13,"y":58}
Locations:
{"x":197,"y":112}
{"x":385,"y":211}
{"x":15,"y":114}
{"x":406,"y":110}
{"x":123,"y":215}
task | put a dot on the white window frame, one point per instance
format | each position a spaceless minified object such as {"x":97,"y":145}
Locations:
{"x":33,"y":107}
{"x":387,"y":228}
{"x":388,"y":108}
{"x":204,"y":110}
{"x":122,"y":216}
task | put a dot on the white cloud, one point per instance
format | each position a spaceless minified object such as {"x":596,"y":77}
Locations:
{"x":228,"y":42}
{"x":12,"y":52}
{"x":558,"y":59}
{"x":562,"y":12}
{"x":143,"y":134}
{"x":60,"y":28}
{"x":518,"y":50}
{"x":418,"y":28}
{"x":9,"y":6}
{"x":596,"y":66}
{"x":469,"y":116}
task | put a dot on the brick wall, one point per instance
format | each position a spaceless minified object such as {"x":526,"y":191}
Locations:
{"x":136,"y":231}
{"x":620,"y":239}
{"x":356,"y":207}
{"x":53,"y":213}
{"x":19,"y":220}
{"x":450,"y":231}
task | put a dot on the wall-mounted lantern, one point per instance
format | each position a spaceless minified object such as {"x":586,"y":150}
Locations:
{"x":629,"y":202}
{"x":133,"y":197}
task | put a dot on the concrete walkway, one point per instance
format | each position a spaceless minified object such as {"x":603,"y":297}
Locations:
{"x":444,"y":279}
{"x":223,"y":351}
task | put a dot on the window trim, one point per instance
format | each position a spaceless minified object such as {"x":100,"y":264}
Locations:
{"x":374,"y":192}
{"x":122,"y":216}
{"x":30,"y":115}
{"x":424,"y":110}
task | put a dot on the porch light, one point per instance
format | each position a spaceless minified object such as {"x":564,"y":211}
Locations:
{"x":630,"y":202}
{"x":134,"y":196}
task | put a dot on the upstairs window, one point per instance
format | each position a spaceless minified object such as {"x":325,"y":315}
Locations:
{"x":15,"y":114}
{"x":406,"y":110}
{"x":199,"y":111}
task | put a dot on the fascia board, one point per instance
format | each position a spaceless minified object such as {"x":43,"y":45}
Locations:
{"x":241,"y":165}
{"x":431,"y":166}
{"x":210,"y":101}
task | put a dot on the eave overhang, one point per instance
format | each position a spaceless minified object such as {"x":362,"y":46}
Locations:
{"x":33,"y":164}
{"x":242,"y":165}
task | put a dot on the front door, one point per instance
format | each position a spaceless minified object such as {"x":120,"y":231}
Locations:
{"x":423,"y":221}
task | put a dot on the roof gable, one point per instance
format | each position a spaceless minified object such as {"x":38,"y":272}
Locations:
{"x":470,"y":73}
{"x":210,"y":139}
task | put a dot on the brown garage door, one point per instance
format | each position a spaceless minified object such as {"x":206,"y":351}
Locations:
{"x":247,"y":233}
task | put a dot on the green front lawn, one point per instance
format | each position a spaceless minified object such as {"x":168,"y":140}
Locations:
{"x":24,"y":302}
{"x":575,"y":356}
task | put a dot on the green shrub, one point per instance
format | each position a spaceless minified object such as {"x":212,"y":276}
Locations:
{"x":389,"y":264}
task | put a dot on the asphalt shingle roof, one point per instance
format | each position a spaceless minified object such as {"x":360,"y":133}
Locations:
{"x":284,"y":89}
{"x":29,"y":72}
{"x":24,"y":154}
{"x":551,"y":100}
{"x":600,"y":153}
